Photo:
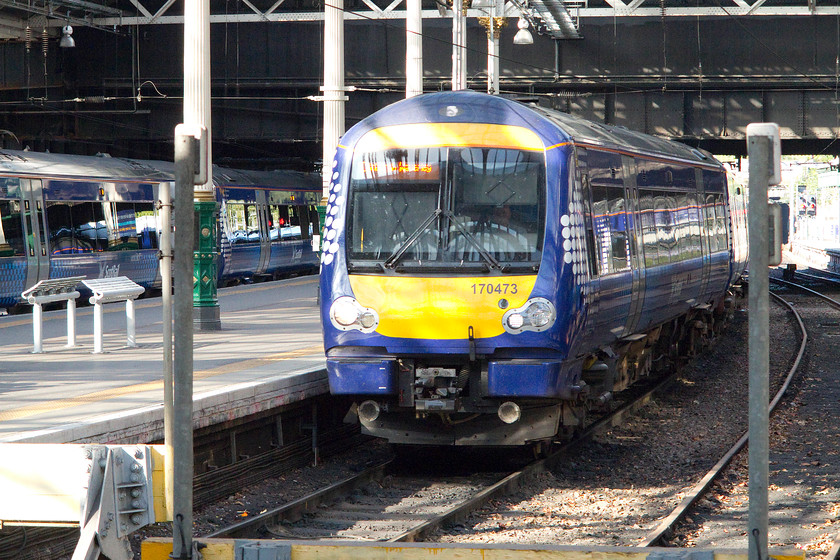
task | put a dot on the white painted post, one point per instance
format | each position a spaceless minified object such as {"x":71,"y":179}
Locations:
{"x":334,"y":92}
{"x":97,"y":328}
{"x":459,"y":50}
{"x":71,"y":323}
{"x":413,"y":48}
{"x":129,"y":323}
{"x":37,"y":328}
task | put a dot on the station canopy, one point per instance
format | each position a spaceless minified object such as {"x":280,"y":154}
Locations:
{"x":560,"y":19}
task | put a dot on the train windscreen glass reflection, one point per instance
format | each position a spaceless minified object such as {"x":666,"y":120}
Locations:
{"x":476,"y":208}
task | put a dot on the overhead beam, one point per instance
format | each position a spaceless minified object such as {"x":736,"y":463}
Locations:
{"x":627,"y":11}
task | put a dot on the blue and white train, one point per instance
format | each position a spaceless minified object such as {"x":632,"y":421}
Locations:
{"x":97,"y":216}
{"x":491,"y":270}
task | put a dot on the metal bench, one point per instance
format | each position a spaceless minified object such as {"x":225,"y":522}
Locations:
{"x":50,"y":291}
{"x":109,"y":290}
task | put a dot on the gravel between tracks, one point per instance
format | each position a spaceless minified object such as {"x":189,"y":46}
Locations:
{"x":615,"y":489}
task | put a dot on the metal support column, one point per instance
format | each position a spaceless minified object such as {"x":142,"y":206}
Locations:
{"x":760,"y":149}
{"x":413,"y":48}
{"x":182,"y":441}
{"x":165,"y":212}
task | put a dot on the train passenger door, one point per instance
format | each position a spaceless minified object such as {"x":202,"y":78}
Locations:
{"x":265,"y":232}
{"x":704,"y":232}
{"x":634,"y":233}
{"x":34,"y":231}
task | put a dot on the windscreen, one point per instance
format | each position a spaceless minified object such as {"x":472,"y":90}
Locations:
{"x":447,"y":208}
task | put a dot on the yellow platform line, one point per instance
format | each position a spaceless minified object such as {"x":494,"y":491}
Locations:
{"x":35,"y":409}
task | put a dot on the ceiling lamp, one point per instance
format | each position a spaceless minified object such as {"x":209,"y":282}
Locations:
{"x":523,"y":36}
{"x":67,"y":37}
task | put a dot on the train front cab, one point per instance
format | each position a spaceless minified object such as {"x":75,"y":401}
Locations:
{"x":439,"y":292}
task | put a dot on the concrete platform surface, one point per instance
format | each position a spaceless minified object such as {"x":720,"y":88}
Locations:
{"x":268,"y":352}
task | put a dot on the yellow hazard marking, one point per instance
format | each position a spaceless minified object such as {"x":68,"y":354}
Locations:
{"x":157,"y":548}
{"x":32,"y":410}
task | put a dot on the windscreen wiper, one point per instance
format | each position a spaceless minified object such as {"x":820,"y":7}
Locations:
{"x":395,"y":257}
{"x":472,"y":240}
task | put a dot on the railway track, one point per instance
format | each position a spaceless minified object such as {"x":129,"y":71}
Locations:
{"x":666,"y":527}
{"x":386,"y":504}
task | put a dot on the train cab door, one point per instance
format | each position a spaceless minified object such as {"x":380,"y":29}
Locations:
{"x":593,"y":279}
{"x":265,"y":232}
{"x":704,"y":233}
{"x":34,"y":231}
{"x":634,"y":239}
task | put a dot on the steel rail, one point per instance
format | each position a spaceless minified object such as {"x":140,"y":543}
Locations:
{"x":512,"y":481}
{"x":293,"y":511}
{"x":834,"y":553}
{"x":655,"y":536}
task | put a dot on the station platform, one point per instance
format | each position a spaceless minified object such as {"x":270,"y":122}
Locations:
{"x":268,"y":353}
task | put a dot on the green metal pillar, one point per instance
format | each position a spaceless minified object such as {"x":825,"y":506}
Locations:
{"x":206,"y":270}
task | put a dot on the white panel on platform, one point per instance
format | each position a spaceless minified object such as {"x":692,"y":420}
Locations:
{"x":42,"y":482}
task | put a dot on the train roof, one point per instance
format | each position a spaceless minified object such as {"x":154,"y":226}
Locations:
{"x":554,"y":126}
{"x":105,"y":167}
{"x":622,"y":138}
{"x":101,"y":166}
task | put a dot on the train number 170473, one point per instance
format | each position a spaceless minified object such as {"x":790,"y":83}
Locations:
{"x":490,"y":289}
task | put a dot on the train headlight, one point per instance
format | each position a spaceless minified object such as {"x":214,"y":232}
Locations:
{"x":347,"y":314}
{"x":537,"y":314}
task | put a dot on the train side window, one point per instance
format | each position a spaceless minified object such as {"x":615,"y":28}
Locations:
{"x":100,"y":226}
{"x":711,"y":225}
{"x":243,"y":222}
{"x":665,"y":229}
{"x":11,"y":232}
{"x":681,"y":227}
{"x":123,"y":236}
{"x":594,"y":256}
{"x":252,"y":221}
{"x":146,"y":225}
{"x":609,"y":218}
{"x":314,"y":221}
{"x":60,"y":225}
{"x":84,"y":227}
{"x":305,"y":225}
{"x":618,"y":230}
{"x":293,"y":231}
{"x":720,"y":223}
{"x":274,"y":222}
{"x":647,"y":216}
{"x":694,"y":226}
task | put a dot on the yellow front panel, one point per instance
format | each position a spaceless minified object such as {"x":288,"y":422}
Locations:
{"x":422,"y":135}
{"x":440,"y":308}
